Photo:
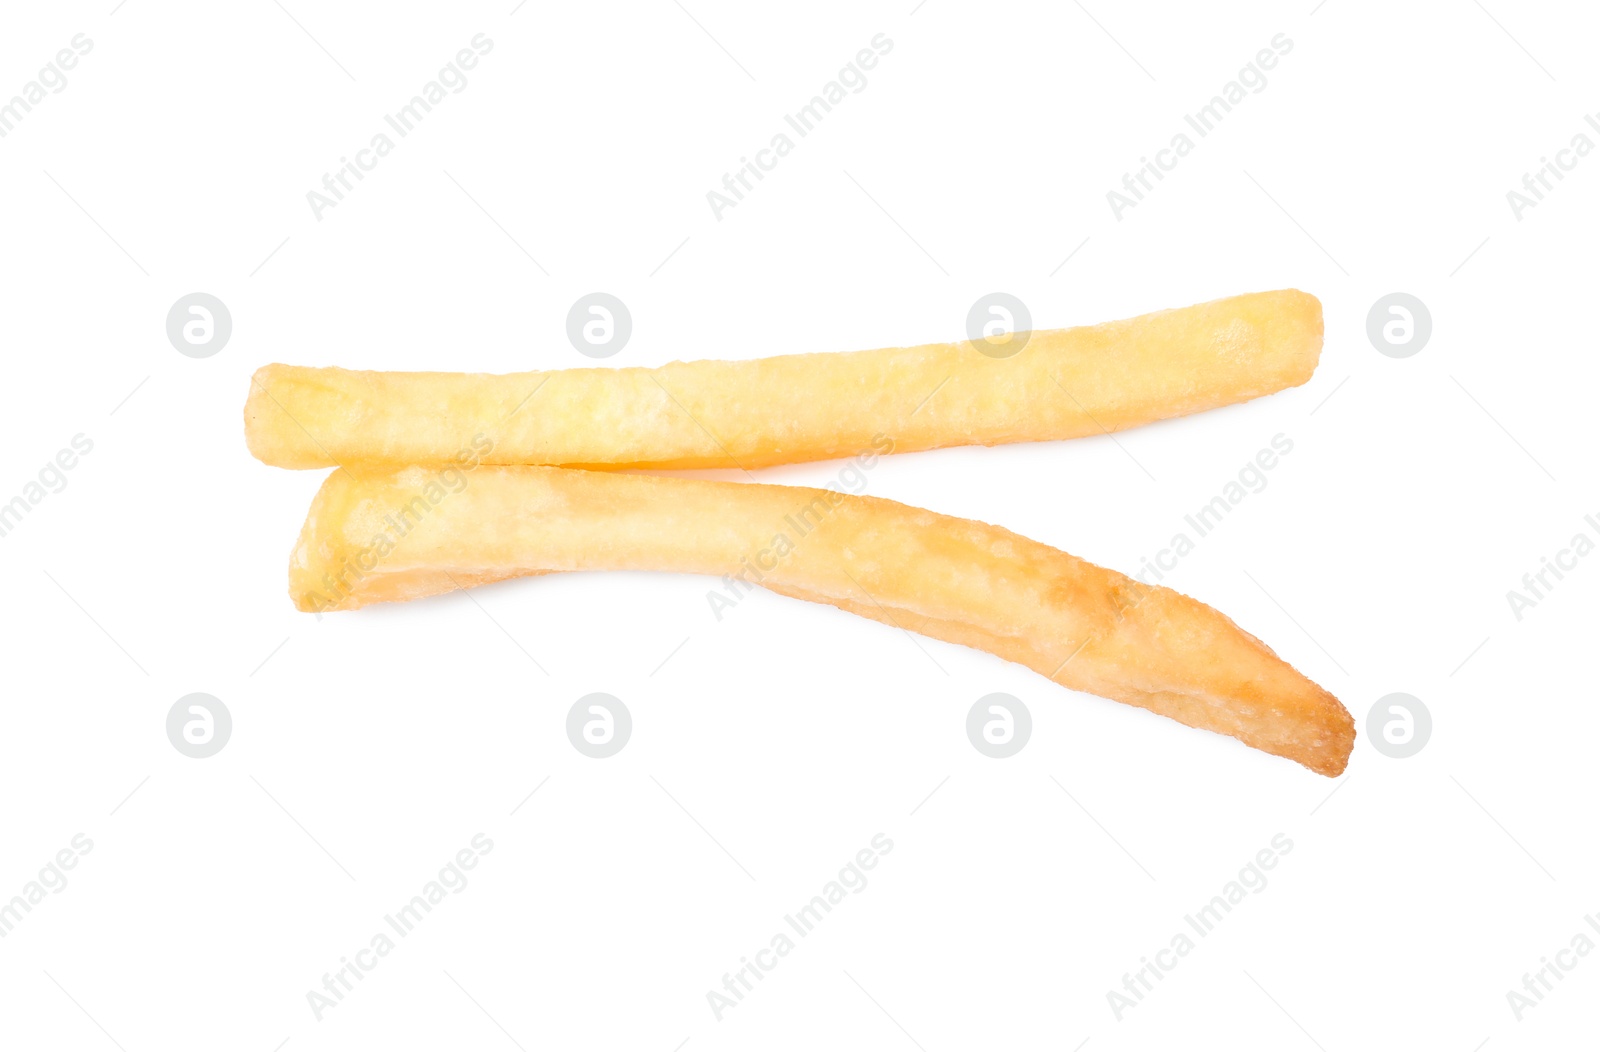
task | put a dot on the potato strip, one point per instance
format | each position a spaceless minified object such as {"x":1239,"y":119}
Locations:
{"x":1063,"y":383}
{"x":419,"y":531}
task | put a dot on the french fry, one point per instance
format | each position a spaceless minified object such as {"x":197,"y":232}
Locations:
{"x":1064,"y":383}
{"x":419,"y":531}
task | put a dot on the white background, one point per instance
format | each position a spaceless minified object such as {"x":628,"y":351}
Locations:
{"x":770,"y":747}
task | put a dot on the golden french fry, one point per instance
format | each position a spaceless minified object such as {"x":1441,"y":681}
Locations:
{"x":419,"y":531}
{"x":1063,"y":383}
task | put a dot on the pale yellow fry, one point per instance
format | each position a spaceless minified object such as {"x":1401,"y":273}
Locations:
{"x":419,"y":531}
{"x":1065,"y":383}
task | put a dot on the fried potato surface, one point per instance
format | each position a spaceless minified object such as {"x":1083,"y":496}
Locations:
{"x":419,"y":531}
{"x":1064,"y":383}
